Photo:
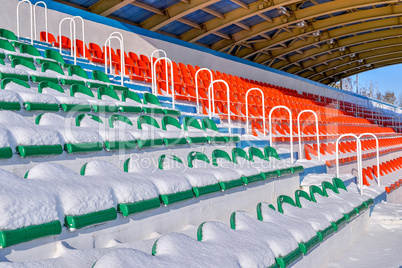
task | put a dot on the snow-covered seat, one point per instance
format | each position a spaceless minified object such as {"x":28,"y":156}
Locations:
{"x":317,"y":195}
{"x":28,"y":211}
{"x":192,"y":253}
{"x":133,"y":193}
{"x":261,"y":162}
{"x":172,"y":132}
{"x":337,"y":218}
{"x":82,"y":202}
{"x":284,"y":247}
{"x":27,"y":97}
{"x":193,"y":131}
{"x":155,"y":107}
{"x":301,"y":230}
{"x":30,"y":139}
{"x":319,"y":222}
{"x":113,"y":138}
{"x":248,"y":249}
{"x":340,"y":186}
{"x":66,"y":102}
{"x":202,"y":181}
{"x":75,"y":139}
{"x":227,"y":177}
{"x":98,"y":105}
{"x":172,"y":186}
{"x":286,"y":166}
{"x":214,"y":136}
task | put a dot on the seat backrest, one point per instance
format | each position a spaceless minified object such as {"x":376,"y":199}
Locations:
{"x":209,"y":124}
{"x":120,"y":118}
{"x":253,"y":151}
{"x":151,"y":98}
{"x":50,"y":37}
{"x":77,"y":70}
{"x":8,"y":80}
{"x":169,"y":120}
{"x":100,"y":76}
{"x":55,"y":55}
{"x":48,"y":84}
{"x":327,"y":185}
{"x":216,"y":154}
{"x":52,"y":66}
{"x":29,"y":49}
{"x":79,"y":118}
{"x":271,"y":152}
{"x":4,"y":44}
{"x":315,"y":190}
{"x":24,"y":62}
{"x":238,"y":152}
{"x":130,"y":95}
{"x":196,"y":156}
{"x":148,"y":120}
{"x":165,"y":157}
{"x":191,"y":122}
{"x":105,"y":91}
{"x":338,"y":183}
{"x":301,"y":194}
{"x":284,"y":199}
{"x":8,"y":34}
{"x":80,"y":89}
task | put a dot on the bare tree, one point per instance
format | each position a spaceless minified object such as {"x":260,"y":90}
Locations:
{"x":389,"y":97}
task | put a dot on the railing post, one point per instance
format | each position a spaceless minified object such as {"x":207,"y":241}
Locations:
{"x":72,"y":36}
{"x":359,"y":155}
{"x":153,"y":74}
{"x":167,"y":60}
{"x":196,"y":87}
{"x":317,"y":132}
{"x":30,"y":18}
{"x":291,"y":128}
{"x":83,"y":37}
{"x":110,"y":56}
{"x":378,"y":154}
{"x":263,"y":109}
{"x":228,"y":102}
{"x":34,"y":19}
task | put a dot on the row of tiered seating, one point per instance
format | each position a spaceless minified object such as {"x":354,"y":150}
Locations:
{"x":387,"y":167}
{"x":277,"y":238}
{"x":106,"y":189}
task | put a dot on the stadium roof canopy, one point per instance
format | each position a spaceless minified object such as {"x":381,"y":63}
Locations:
{"x":322,"y":40}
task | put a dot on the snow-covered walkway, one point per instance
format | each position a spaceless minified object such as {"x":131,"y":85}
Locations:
{"x":381,"y":244}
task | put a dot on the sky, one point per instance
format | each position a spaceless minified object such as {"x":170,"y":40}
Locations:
{"x":386,"y":78}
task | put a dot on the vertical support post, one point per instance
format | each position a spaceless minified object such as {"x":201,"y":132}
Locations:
{"x":34,"y":19}
{"x":30,"y":18}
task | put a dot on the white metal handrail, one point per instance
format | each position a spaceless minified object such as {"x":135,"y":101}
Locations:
{"x":317,"y":132}
{"x":83,"y":37}
{"x":337,"y":99}
{"x":122,"y":51}
{"x":378,"y":155}
{"x":72,"y":36}
{"x":153,"y":74}
{"x":110,"y":56}
{"x":34,"y":19}
{"x":359,"y":169}
{"x":196,"y":87}
{"x":263,"y":108}
{"x":291,"y":127}
{"x":168,"y":61}
{"x":30,"y":18}
{"x":211,"y":86}
{"x":359,"y":107}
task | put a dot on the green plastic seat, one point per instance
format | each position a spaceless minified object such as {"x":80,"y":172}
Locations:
{"x":299,"y":194}
{"x":76,"y":88}
{"x":30,"y":50}
{"x":81,"y":221}
{"x":77,"y":71}
{"x":47,"y":84}
{"x":108,"y":108}
{"x":55,"y":55}
{"x":210,"y":124}
{"x":16,"y":62}
{"x":240,"y":153}
{"x":152,"y":99}
{"x":192,"y":122}
{"x":169,"y":120}
{"x":126,"y":209}
{"x":317,"y":190}
{"x":216,"y":154}
{"x":329,"y":186}
{"x":322,"y":234}
{"x":101,"y":76}
{"x":12,"y":106}
{"x":39,"y":150}
{"x":338,"y":183}
{"x":120,"y":145}
{"x":8,"y":35}
{"x":4,"y":44}
{"x":53,"y":66}
{"x":282,"y":261}
{"x":29,"y":233}
{"x":148,"y":120}
{"x":305,"y":246}
{"x":119,"y":117}
{"x":79,"y":118}
{"x":132,"y":96}
{"x":271,"y":152}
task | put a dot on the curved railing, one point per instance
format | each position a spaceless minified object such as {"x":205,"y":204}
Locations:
{"x":290,"y":124}
{"x":196,"y":87}
{"x":263,"y":109}
{"x":317,"y":132}
{"x":211,"y":87}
